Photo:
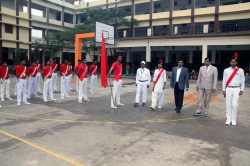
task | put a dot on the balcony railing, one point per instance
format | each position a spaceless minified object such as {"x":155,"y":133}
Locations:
{"x":211,"y":29}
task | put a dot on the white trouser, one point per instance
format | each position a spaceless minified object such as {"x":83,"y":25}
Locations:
{"x":93,"y":83}
{"x":32,"y":84}
{"x":77,"y":83}
{"x":156,"y":96}
{"x":21,"y":90}
{"x":54,"y":81}
{"x":69,"y":82}
{"x":15,"y":87}
{"x":5,"y":86}
{"x":232,"y":98}
{"x":64,"y":86}
{"x":47,"y":86}
{"x":117,"y":85}
{"x":82,"y":89}
{"x":141,"y":87}
{"x":38,"y":76}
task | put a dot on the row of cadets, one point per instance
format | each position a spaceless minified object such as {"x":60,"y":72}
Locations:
{"x":82,"y":73}
{"x":5,"y":82}
{"x":70,"y":76}
{"x":54,"y":66}
{"x":77,"y":78}
{"x":14,"y":71}
{"x":117,"y":83}
{"x":47,"y":78}
{"x":143,"y":79}
{"x":64,"y":69}
{"x":21,"y":73}
{"x":93,"y":74}
{"x":159,"y":87}
{"x":32,"y":72}
{"x":38,"y":75}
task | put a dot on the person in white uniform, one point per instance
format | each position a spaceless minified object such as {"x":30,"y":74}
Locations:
{"x":142,"y":83}
{"x":5,"y":81}
{"x":77,"y":78}
{"x":233,"y":86}
{"x":54,"y":66}
{"x":38,"y":76}
{"x":159,"y":88}
{"x":32,"y":71}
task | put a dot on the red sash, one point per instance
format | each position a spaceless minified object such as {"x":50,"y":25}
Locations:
{"x":158,"y":77}
{"x":231,"y":77}
{"x":82,"y":76}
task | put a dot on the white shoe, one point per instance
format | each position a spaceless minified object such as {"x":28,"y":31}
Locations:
{"x":114,"y":107}
{"x":233,"y":123}
{"x":86,"y":100}
{"x":153,"y":108}
{"x":120,"y":104}
{"x":18,"y":104}
{"x":1,"y":106}
{"x":68,"y":96}
{"x":227,"y":123}
{"x":36,"y":96}
{"x":56,"y":90}
{"x":2,"y":100}
{"x":9,"y":98}
{"x":15,"y":94}
{"x":92,"y":93}
{"x":28,"y":97}
{"x":53,"y":99}
{"x":95,"y":92}
{"x":77,"y":90}
{"x":71,"y":89}
{"x":62,"y":97}
{"x":80,"y":102}
{"x":45,"y":100}
{"x":40,"y":92}
{"x":27,"y":103}
{"x":159,"y":107}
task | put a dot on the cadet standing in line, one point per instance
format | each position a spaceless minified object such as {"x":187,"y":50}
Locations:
{"x":70,"y":76}
{"x":38,"y":76}
{"x":5,"y":81}
{"x":64,"y":69}
{"x":83,"y":81}
{"x":14,"y":70}
{"x":32,"y":71}
{"x":47,"y":79}
{"x":77,"y":78}
{"x":93,"y":74}
{"x":54,"y":66}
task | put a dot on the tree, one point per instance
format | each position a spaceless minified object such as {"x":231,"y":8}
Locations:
{"x":36,"y":51}
{"x":18,"y":56}
{"x":65,"y":39}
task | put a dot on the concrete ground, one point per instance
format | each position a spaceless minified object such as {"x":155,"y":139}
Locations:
{"x":67,"y":133}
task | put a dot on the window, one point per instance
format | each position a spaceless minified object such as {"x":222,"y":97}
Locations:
{"x":8,"y":28}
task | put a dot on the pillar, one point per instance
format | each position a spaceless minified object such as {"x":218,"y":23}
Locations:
{"x":127,"y":57}
{"x":74,"y":19}
{"x":62,"y":16}
{"x":47,"y":14}
{"x":43,"y":58}
{"x":190,"y":59}
{"x":213,"y":56}
{"x":148,"y":56}
{"x":204,"y":53}
{"x":167,"y":56}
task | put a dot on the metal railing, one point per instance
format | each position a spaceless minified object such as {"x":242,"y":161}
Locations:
{"x":212,"y":29}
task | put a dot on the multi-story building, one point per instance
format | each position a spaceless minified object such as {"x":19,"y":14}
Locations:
{"x":168,"y":29}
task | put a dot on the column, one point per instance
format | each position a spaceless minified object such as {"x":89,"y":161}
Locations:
{"x":30,"y":25}
{"x":192,"y":30}
{"x":43,"y":58}
{"x":132,"y":16}
{"x":74,"y":19}
{"x":62,"y":16}
{"x":190,"y":57}
{"x":216,"y":16}
{"x":213,"y":56}
{"x":17,"y":22}
{"x":167,"y":56}
{"x":171,"y":5}
{"x":127,"y":57}
{"x":148,"y":56}
{"x":204,"y":53}
{"x":47,"y":14}
{"x":151,"y":13}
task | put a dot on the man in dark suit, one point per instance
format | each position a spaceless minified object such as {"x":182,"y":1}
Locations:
{"x":179,"y":79}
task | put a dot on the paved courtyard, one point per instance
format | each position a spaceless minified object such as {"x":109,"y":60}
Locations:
{"x":65,"y":133}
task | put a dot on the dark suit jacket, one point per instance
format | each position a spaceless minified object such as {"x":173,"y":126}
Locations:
{"x":183,"y":78}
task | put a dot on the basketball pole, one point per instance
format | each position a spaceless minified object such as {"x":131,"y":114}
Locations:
{"x":110,"y":83}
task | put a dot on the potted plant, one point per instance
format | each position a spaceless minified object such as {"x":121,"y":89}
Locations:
{"x":246,"y":69}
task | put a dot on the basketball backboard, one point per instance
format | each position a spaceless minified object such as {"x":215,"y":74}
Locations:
{"x":107,"y":31}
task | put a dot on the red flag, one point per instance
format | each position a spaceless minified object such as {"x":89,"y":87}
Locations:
{"x":104,"y":65}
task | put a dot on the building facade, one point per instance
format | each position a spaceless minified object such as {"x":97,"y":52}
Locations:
{"x":167,"y":29}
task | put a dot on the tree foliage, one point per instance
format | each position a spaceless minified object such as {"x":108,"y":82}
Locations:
{"x":65,"y":39}
{"x":18,"y":56}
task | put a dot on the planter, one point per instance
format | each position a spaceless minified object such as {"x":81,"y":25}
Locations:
{"x":247,"y":74}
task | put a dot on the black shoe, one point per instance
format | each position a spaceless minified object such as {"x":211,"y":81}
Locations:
{"x":197,"y":114}
{"x":136,"y":104}
{"x":175,"y":109}
{"x":178,"y":111}
{"x":143,"y":104}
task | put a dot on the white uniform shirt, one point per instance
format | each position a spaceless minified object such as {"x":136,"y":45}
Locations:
{"x":143,"y":75}
{"x":178,"y":74}
{"x":238,"y":80}
{"x":163,"y":78}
